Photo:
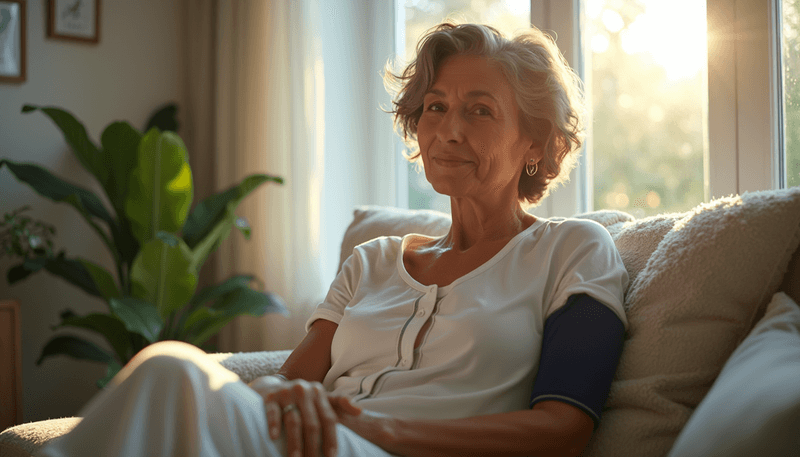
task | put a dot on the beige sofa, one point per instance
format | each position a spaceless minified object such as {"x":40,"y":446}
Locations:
{"x":711,"y":362}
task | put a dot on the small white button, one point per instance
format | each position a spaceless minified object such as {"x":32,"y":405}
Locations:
{"x":421,"y":312}
{"x":403,"y":362}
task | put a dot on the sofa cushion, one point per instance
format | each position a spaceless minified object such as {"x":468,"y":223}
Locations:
{"x":25,"y":439}
{"x":251,"y":365}
{"x":370,"y":222}
{"x":692,"y":303}
{"x":754,"y":406}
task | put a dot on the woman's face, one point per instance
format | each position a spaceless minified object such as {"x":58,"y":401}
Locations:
{"x":469,"y":135}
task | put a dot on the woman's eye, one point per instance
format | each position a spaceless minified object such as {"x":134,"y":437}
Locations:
{"x":481,"y":111}
{"x":435,"y":107}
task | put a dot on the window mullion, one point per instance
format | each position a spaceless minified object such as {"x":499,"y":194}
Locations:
{"x":722,"y":161}
{"x":562,"y":18}
{"x":743,"y":89}
{"x":756,"y":65}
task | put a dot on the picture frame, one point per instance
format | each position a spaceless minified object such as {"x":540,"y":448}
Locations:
{"x":74,"y":20}
{"x":12,"y":41}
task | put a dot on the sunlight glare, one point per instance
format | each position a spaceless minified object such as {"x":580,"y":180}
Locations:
{"x":599,"y":43}
{"x":673,"y":32}
{"x":613,"y":21}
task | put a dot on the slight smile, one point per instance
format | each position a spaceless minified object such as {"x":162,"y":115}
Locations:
{"x":450,"y":163}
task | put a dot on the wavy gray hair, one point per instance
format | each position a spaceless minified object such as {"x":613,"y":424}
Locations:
{"x":548,"y":94}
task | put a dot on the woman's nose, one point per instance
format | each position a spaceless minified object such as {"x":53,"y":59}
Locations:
{"x":451,"y":127}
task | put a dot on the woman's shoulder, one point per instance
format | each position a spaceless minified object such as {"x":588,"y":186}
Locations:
{"x":379,"y":246}
{"x":570,"y":226}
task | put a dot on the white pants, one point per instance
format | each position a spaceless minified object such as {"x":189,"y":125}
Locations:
{"x":173,"y":400}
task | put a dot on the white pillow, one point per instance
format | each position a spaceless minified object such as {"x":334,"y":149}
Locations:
{"x":370,"y":222}
{"x":754,"y":406}
{"x":708,"y":275}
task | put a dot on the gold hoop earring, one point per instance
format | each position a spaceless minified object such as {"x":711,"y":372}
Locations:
{"x":531,"y":168}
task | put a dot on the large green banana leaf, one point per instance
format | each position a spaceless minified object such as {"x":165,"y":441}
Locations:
{"x":58,"y":190}
{"x":215,"y":237}
{"x":213,"y":293}
{"x":92,"y":278}
{"x":75,"y":134}
{"x":138,"y":316}
{"x":74,"y":272}
{"x":120,"y":144}
{"x":160,"y":188}
{"x":163,"y":274}
{"x":105,"y":324}
{"x":205,"y":322}
{"x":23,"y":270}
{"x":164,"y":118}
{"x":74,"y":347}
{"x":103,"y":281}
{"x":215,"y":209}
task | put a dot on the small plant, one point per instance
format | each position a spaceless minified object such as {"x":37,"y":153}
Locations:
{"x":20,"y":236}
{"x":158,"y":245}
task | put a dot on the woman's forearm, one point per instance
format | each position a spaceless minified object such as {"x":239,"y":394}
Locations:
{"x":535,"y":432}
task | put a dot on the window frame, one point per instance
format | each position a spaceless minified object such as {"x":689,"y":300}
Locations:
{"x":744,"y":123}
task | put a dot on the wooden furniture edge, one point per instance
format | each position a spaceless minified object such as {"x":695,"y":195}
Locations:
{"x":12,"y":307}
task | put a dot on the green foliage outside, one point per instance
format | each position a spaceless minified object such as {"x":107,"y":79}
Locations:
{"x":791,"y":87}
{"x":157,"y":243}
{"x":647,"y":130}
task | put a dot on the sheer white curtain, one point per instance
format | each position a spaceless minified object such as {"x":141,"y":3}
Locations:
{"x":268,"y":120}
{"x":258,"y":100}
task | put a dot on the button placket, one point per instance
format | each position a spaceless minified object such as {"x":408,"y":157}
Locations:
{"x":407,"y":355}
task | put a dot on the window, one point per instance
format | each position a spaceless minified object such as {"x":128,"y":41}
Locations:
{"x":684,"y":108}
{"x":648,"y":107}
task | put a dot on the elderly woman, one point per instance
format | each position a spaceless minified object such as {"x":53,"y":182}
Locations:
{"x":500,"y":338}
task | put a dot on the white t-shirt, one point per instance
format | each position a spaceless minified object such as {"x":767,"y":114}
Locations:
{"x":481,"y":351}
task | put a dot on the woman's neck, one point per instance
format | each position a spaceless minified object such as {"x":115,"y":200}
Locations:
{"x":474,"y":225}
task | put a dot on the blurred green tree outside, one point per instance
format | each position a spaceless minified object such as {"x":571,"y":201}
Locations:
{"x":790,"y":12}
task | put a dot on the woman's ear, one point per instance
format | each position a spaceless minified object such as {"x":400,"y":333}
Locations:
{"x":535,"y":152}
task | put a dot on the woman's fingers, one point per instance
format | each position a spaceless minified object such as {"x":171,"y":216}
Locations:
{"x":294,"y":433}
{"x":274,"y":419}
{"x":310,"y":426}
{"x":313,"y":424}
{"x":328,"y":421}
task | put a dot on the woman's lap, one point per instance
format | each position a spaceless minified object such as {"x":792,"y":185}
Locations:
{"x":173,"y":400}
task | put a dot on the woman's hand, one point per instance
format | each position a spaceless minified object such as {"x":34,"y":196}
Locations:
{"x":376,"y":428}
{"x":311,"y":424}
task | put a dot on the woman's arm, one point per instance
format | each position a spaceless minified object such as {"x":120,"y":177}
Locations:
{"x":551,"y":428}
{"x":311,"y":359}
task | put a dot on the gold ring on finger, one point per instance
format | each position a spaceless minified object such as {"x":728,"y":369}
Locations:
{"x":288,"y":408}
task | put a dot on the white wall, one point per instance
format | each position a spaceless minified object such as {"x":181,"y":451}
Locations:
{"x":130,"y":73}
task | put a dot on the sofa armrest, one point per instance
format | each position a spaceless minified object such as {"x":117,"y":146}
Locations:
{"x":252,"y":365}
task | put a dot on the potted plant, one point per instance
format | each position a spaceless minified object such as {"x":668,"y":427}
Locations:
{"x":157,"y":243}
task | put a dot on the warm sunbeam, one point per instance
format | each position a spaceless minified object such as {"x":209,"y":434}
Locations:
{"x":673,"y":32}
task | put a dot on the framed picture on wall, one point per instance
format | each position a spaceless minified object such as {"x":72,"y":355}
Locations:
{"x":12,"y":41}
{"x":74,"y":20}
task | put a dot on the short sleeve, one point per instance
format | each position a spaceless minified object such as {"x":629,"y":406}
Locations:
{"x":589,"y":263}
{"x":340,"y":293}
{"x":581,"y":348}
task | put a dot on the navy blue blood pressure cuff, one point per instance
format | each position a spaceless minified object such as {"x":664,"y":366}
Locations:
{"x":580,"y":353}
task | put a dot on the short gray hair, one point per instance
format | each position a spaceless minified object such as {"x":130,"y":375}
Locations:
{"x":548,"y":93}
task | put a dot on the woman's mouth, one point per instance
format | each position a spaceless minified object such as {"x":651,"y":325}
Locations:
{"x":450,"y":162}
